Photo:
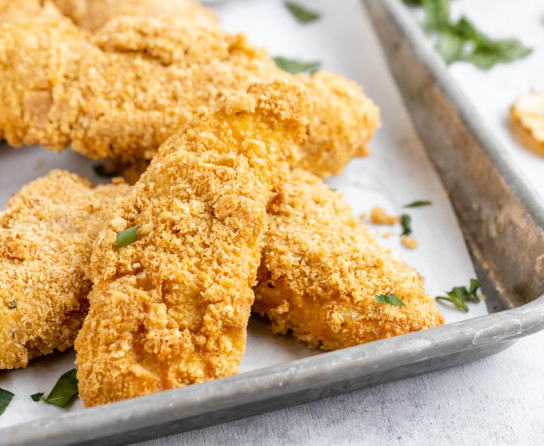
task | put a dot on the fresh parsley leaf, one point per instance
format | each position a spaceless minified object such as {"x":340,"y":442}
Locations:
{"x":105,"y":171}
{"x":472,"y":290}
{"x":450,"y":46}
{"x":37,"y":396}
{"x":458,"y":296}
{"x":458,"y":303}
{"x":127,"y":237}
{"x":438,"y":14}
{"x":418,"y":204}
{"x":302,"y":14}
{"x":406,"y":223}
{"x":391,"y":299}
{"x":5,"y":399}
{"x":486,"y":55}
{"x":461,"y":41}
{"x":294,"y":66}
{"x":63,"y":392}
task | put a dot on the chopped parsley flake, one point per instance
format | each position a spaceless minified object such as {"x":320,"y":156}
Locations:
{"x":295,"y":66}
{"x":127,"y":237}
{"x":391,"y":299}
{"x":301,"y":13}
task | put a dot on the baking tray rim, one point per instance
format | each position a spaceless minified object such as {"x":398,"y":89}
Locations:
{"x":279,"y":380}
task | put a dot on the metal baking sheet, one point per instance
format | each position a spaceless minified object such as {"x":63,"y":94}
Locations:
{"x":495,"y":208}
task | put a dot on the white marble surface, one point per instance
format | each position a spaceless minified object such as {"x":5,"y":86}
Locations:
{"x":497,"y":400}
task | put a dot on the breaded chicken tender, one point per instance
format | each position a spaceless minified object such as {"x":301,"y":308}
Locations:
{"x":321,"y":270}
{"x":172,"y":308}
{"x":93,"y":14}
{"x":122,"y":91}
{"x":46,"y":236}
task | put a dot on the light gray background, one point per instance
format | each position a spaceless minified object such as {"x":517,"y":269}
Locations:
{"x":494,"y":401}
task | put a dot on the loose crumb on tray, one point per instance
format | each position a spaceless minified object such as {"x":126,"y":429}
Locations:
{"x":379,"y":216}
{"x":527,"y":116}
{"x":408,"y":242}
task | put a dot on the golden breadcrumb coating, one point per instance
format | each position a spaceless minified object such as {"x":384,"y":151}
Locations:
{"x":15,"y":10}
{"x":172,"y":308}
{"x":46,"y":236}
{"x":343,"y":122}
{"x":321,"y":270}
{"x":124,"y":90}
{"x":93,"y":14}
{"x":131,"y":172}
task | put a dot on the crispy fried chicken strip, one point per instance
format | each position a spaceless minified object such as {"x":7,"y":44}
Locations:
{"x":93,"y":14}
{"x":46,"y":235}
{"x":172,"y":308}
{"x":321,"y":270}
{"x":124,"y":90}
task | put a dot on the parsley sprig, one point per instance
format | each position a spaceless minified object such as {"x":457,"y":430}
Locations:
{"x":459,"y":296}
{"x":462,"y":41}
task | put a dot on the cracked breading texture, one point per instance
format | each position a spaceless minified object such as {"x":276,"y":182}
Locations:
{"x":46,"y":235}
{"x":122,"y":91}
{"x":172,"y":308}
{"x":15,"y":10}
{"x":321,"y":270}
{"x":93,"y":14}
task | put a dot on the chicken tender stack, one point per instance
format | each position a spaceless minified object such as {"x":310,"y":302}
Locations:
{"x":46,"y":236}
{"x":122,"y":91}
{"x":172,"y":308}
{"x":321,"y":270}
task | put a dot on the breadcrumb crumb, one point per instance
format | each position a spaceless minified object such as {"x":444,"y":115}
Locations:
{"x":408,"y":242}
{"x":379,"y":216}
{"x":527,"y":115}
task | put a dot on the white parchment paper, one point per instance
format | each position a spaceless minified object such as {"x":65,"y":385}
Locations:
{"x":397,"y":172}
